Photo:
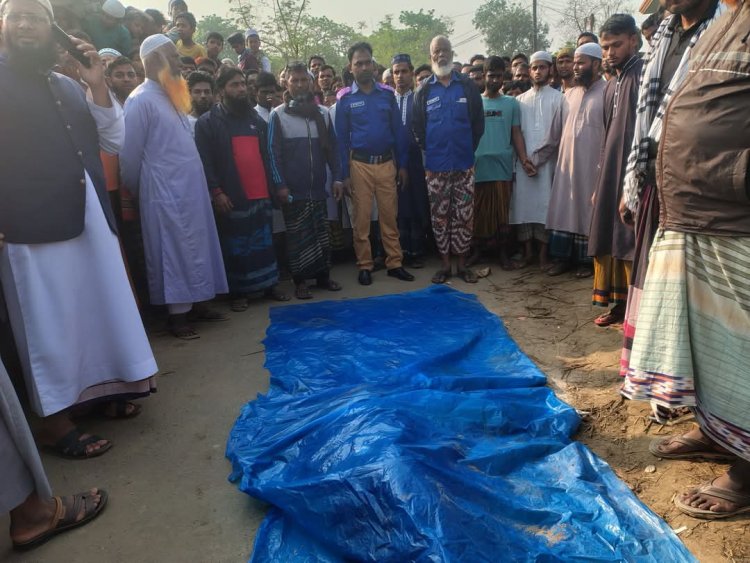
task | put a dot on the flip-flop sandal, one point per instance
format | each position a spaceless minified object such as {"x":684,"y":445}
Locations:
{"x":65,"y":516}
{"x":330,"y":285}
{"x":521,"y":263}
{"x":718,"y":492}
{"x":71,"y":446}
{"x":303,"y":292}
{"x":507,"y":265}
{"x":121,"y":410}
{"x":585,"y":272}
{"x":277,"y":295}
{"x":608,"y":319}
{"x":206,"y":316}
{"x":558,"y":269}
{"x":700,"y":450}
{"x":467,"y":275}
{"x":239,"y":305}
{"x":180,"y":328}
{"x":441,"y":276}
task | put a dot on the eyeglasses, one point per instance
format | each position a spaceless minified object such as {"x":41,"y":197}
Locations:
{"x":33,"y":19}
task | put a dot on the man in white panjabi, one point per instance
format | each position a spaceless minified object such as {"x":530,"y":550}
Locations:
{"x":528,"y":206}
{"x":70,"y":306}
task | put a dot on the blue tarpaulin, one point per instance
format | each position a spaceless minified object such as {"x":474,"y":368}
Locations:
{"x":412,"y":428}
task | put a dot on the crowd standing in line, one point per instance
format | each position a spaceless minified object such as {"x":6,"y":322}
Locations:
{"x":172,"y":176}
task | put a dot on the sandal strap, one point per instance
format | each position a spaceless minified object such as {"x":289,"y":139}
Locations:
{"x":725,"y":494}
{"x":71,"y":443}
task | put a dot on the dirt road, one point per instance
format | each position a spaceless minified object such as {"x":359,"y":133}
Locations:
{"x":170,"y":501}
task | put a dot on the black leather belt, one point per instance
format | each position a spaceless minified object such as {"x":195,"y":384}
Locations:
{"x":360,"y":156}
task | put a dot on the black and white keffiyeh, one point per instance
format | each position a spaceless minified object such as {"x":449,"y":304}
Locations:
{"x":650,"y":110}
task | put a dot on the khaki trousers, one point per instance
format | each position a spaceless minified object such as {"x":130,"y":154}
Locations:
{"x":379,"y":181}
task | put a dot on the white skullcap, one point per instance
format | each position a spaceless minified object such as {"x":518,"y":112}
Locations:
{"x":592,"y":50}
{"x":114,"y":8}
{"x":152,"y":43}
{"x":108,"y":52}
{"x":43,"y":3}
{"x":251,"y":33}
{"x":543,"y":56}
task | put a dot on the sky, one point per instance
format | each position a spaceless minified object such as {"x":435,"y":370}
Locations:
{"x":465,"y":38}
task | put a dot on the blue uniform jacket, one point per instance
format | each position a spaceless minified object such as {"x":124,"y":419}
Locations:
{"x":370,"y":123}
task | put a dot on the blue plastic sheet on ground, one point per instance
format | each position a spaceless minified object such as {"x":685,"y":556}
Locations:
{"x":412,"y":428}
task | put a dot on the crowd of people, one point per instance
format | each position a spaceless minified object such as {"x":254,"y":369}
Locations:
{"x":169,"y":176}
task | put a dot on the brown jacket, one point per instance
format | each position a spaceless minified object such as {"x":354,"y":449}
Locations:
{"x":702,"y":166}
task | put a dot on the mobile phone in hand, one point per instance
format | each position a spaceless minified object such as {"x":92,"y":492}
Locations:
{"x":64,"y":40}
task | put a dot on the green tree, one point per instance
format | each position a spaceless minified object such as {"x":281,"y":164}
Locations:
{"x":412,"y":35}
{"x":509,"y":28}
{"x":290,"y":32}
{"x":222,"y":25}
{"x":589,"y":15}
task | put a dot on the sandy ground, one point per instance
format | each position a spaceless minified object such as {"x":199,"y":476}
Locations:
{"x":169,"y":497}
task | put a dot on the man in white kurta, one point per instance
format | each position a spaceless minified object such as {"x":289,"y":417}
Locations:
{"x":160,"y":165}
{"x":578,"y":132}
{"x":531,"y":195}
{"x":70,"y":306}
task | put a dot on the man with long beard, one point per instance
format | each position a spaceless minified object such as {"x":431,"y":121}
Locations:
{"x":232,"y":141}
{"x":577,"y":131}
{"x":161,"y":166}
{"x":611,"y":242}
{"x":448,"y":123}
{"x":77,"y":329}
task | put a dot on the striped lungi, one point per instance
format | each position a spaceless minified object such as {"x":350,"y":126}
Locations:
{"x":492,"y":209}
{"x":693,"y":339}
{"x":307,"y":238}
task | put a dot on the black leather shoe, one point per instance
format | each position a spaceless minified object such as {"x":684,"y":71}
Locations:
{"x":400,"y":274}
{"x":365,"y":277}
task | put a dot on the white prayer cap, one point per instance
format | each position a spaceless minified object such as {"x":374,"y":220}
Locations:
{"x":108,"y":52}
{"x":114,"y":8}
{"x":251,"y":33}
{"x":150,"y":44}
{"x":543,"y":56}
{"x":592,"y":50}
{"x":43,"y":3}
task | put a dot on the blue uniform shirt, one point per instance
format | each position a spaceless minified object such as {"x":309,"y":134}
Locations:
{"x":449,"y":144}
{"x":370,"y":123}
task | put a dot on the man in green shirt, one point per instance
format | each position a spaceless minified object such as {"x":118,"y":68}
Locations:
{"x":494,"y":164}
{"x":106,"y":29}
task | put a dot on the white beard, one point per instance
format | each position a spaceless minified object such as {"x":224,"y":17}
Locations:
{"x":441,"y":71}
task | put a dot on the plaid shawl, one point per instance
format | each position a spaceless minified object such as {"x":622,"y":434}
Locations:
{"x":650,"y":111}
